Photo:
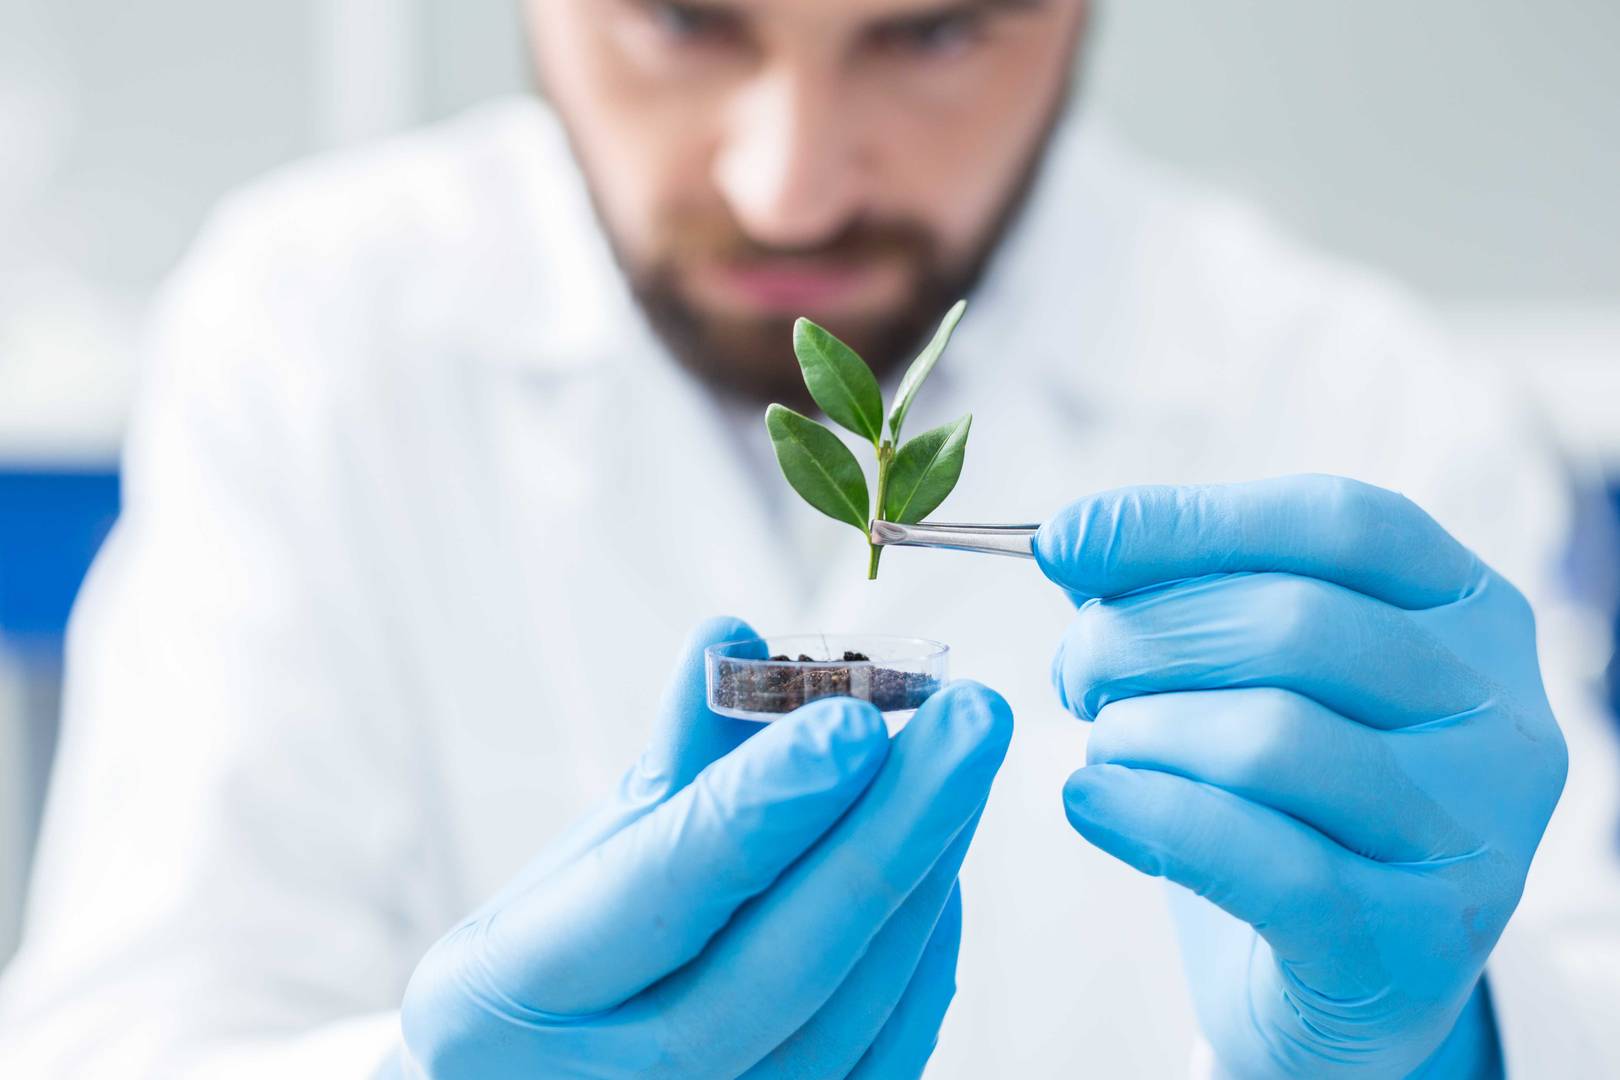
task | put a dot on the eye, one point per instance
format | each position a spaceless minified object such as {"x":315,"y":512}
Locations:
{"x":692,"y":23}
{"x":932,"y":35}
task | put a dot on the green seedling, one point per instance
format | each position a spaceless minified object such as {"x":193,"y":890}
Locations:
{"x":913,"y":478}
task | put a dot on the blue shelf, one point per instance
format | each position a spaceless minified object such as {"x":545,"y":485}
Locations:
{"x":52,"y":522}
{"x":1614,"y":637}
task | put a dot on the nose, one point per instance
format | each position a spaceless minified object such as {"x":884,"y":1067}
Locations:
{"x":786,"y":164}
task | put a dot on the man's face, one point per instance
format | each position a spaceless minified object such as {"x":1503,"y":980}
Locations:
{"x":854,"y":161}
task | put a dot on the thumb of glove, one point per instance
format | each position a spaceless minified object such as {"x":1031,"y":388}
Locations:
{"x":689,"y":736}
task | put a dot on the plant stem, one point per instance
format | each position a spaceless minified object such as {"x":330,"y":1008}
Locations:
{"x":885,"y":455}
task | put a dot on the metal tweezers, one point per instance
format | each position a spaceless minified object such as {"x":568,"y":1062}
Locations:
{"x":1016,"y":540}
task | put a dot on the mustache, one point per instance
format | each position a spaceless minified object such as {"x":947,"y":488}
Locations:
{"x":860,"y":240}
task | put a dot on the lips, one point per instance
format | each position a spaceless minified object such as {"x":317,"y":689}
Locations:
{"x":790,"y":285}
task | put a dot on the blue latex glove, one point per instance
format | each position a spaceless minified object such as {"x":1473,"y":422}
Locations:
{"x":1315,"y":709}
{"x":760,"y":901}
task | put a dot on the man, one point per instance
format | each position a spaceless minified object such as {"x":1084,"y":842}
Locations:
{"x":445,"y":445}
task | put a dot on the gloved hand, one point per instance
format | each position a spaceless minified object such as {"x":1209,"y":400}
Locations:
{"x":760,"y":901}
{"x":1315,"y":709}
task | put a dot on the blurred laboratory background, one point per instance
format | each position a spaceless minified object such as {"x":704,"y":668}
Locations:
{"x":1471,"y":147}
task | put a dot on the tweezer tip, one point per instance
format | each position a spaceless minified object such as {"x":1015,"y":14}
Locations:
{"x":887,"y":532}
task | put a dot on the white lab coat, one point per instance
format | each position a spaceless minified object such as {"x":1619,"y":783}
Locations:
{"x":418,"y":512}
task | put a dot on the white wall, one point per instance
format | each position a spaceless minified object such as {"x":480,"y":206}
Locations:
{"x":1471,"y":145}
{"x":119,"y":125}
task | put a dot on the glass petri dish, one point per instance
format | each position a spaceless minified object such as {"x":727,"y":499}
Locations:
{"x":762,"y":679}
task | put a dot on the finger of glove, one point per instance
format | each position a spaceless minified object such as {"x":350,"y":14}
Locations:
{"x":1360,"y":657}
{"x":1289,"y":882}
{"x":842,"y":1030}
{"x":1285,"y":751}
{"x":825,"y":911}
{"x":1356,"y":535}
{"x":902,"y":1049}
{"x":687,"y":737}
{"x":648,"y":899}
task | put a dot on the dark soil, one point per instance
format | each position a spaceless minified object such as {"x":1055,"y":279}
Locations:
{"x":748,"y":688}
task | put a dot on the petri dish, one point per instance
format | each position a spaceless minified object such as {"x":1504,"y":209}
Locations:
{"x":764,"y":678}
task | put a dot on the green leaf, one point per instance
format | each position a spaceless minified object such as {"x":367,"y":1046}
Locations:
{"x":819,"y":466}
{"x":921,"y":367}
{"x":924,"y":472}
{"x":839,"y":380}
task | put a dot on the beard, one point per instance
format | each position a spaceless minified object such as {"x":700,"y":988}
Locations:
{"x":750,"y":358}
